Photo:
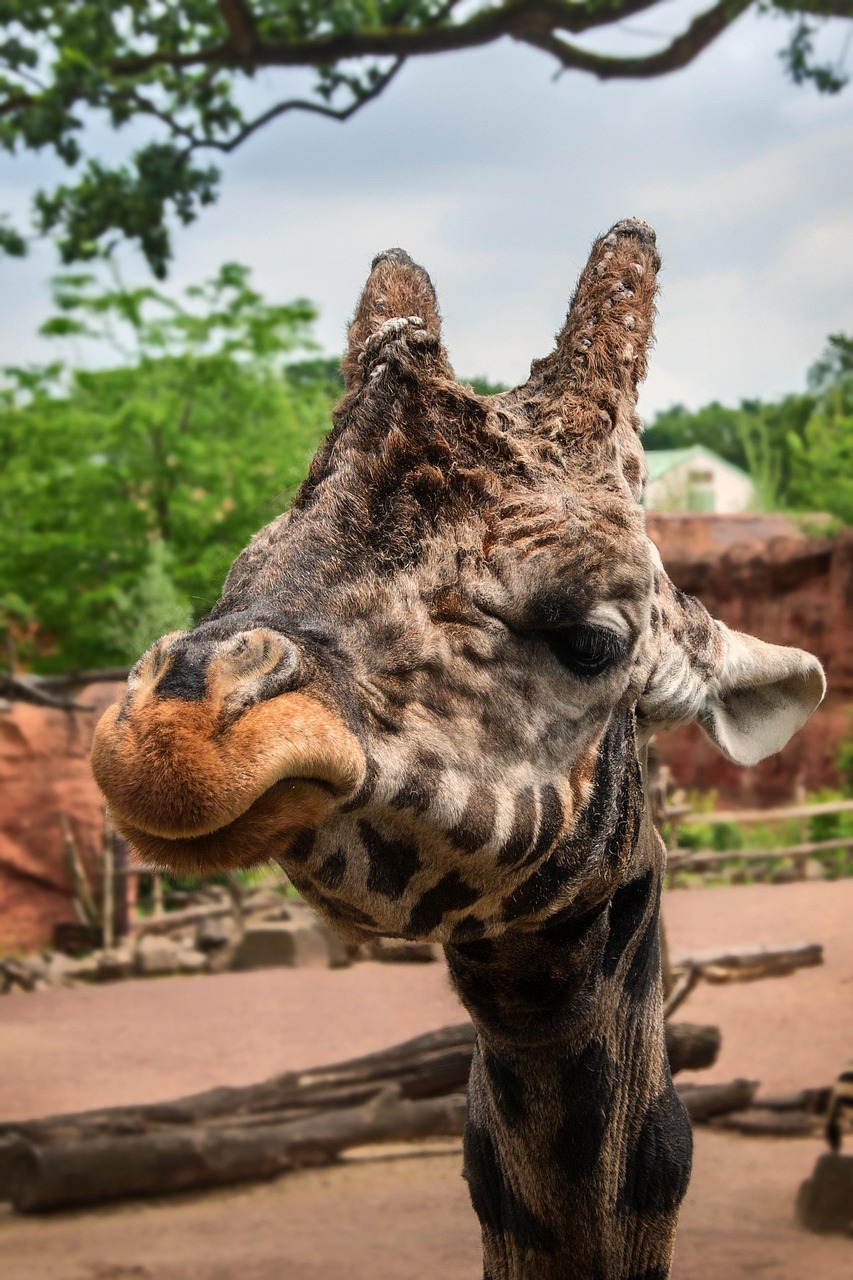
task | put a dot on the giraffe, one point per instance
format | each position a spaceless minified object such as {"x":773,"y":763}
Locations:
{"x":425,"y":692}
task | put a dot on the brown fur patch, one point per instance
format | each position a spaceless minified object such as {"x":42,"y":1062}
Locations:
{"x":168,"y":767}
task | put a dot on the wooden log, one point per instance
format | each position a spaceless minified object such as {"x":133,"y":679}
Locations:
{"x":744,"y":817}
{"x":426,"y":1066}
{"x":744,"y":963}
{"x":690,"y":1046}
{"x":430,"y":1067}
{"x":71,"y":1173}
{"x":169,"y":921}
{"x":770,"y":1124}
{"x":705,"y":1100}
{"x":815,"y":1101}
{"x":65,"y":1174}
{"x":61,"y":1175}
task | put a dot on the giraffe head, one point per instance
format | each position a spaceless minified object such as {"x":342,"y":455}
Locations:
{"x":415,"y":679}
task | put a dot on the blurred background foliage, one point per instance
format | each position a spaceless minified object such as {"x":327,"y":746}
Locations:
{"x":126,"y":491}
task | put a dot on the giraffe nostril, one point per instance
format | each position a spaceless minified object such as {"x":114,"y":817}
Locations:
{"x":246,"y":667}
{"x":252,"y":666}
{"x":254,"y":653}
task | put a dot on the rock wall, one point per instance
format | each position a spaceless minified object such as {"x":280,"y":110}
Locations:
{"x":44,"y":772}
{"x":765,"y":575}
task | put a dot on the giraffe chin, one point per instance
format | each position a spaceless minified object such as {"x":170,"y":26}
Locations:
{"x":264,"y":832}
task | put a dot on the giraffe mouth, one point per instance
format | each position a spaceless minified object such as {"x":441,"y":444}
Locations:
{"x":190,"y":795}
{"x":264,"y":832}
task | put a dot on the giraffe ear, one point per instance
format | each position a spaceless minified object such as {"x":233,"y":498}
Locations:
{"x":749,"y":697}
{"x":762,"y":694}
{"x":397,"y":315}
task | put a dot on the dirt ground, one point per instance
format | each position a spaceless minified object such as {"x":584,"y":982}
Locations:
{"x":388,"y":1216}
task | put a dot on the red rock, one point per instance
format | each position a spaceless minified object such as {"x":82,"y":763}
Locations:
{"x":764,"y":575}
{"x":44,"y":772}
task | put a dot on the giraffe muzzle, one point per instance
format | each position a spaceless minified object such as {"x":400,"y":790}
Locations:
{"x":201,"y":768}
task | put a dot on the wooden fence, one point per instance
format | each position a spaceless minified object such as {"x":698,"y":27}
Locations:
{"x":794,"y":858}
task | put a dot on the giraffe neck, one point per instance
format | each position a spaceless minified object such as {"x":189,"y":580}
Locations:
{"x":577,"y":1147}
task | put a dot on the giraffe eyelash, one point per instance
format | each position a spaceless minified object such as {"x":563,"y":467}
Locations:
{"x":586,"y":650}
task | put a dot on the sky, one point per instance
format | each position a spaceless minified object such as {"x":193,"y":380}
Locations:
{"x":497,"y":176}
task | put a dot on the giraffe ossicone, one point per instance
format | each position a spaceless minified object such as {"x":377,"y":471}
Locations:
{"x":425,"y":691}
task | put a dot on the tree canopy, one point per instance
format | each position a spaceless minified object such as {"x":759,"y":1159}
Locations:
{"x":177,"y":69}
{"x":126,"y":492}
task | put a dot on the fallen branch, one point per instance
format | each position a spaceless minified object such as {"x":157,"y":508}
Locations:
{"x":770,"y":1124}
{"x":434,"y":1065}
{"x":426,"y":1066}
{"x":683,"y":984}
{"x":748,"y":963}
{"x":171,"y":921}
{"x":705,"y":1100}
{"x":63,"y":1174}
{"x":815,"y":1101}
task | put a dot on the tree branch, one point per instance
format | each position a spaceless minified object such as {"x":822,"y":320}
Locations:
{"x":29,"y":689}
{"x":15,"y":101}
{"x":240,"y":22}
{"x":300,"y":104}
{"x":533,"y":22}
{"x":515,"y":18}
{"x":681,"y":51}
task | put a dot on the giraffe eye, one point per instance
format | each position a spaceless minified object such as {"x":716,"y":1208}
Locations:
{"x":584,"y":649}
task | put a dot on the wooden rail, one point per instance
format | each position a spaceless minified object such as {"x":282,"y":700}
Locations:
{"x":679,"y":858}
{"x":743,"y":817}
{"x":684,"y":859}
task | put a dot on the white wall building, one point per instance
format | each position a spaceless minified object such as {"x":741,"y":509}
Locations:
{"x":697,"y":479}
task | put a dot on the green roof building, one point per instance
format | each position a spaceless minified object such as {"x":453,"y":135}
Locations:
{"x":697,"y":479}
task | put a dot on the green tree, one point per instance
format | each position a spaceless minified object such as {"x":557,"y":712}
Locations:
{"x":769,"y":434}
{"x":125,"y":492}
{"x":822,"y":471}
{"x":713,"y":425}
{"x":177,"y":68}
